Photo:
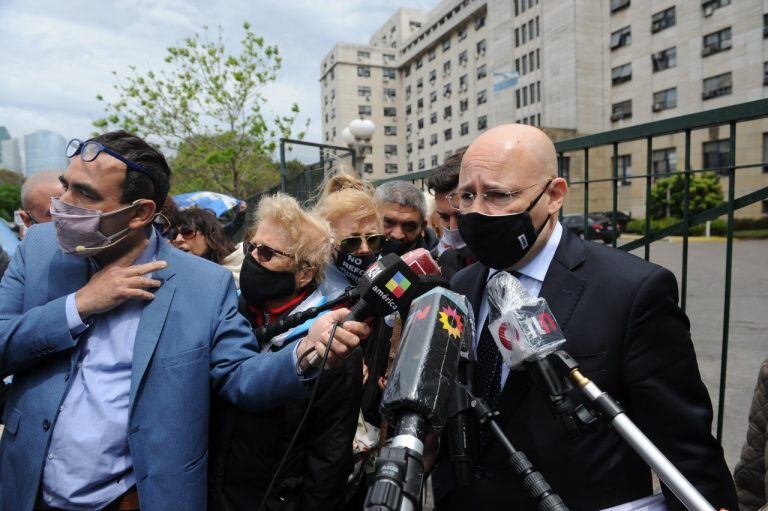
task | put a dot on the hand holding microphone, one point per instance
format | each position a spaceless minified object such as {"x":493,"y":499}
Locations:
{"x":346,"y":337}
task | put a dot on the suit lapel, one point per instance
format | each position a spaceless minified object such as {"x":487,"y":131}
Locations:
{"x":151,"y":323}
{"x":74,"y":268}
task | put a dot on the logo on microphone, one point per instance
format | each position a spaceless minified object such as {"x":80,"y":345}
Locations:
{"x":398,"y":285}
{"x":422,"y":313}
{"x":455,"y":329}
{"x":505,"y":334}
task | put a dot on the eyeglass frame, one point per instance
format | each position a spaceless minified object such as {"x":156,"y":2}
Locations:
{"x":132,"y":165}
{"x":177,"y":230}
{"x":362,"y":237}
{"x":512,"y":194}
{"x":249,"y":248}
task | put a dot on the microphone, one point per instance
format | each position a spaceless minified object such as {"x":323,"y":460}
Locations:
{"x":440,"y":322}
{"x":81,"y":249}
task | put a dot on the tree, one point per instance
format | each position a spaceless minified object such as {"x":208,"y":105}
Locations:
{"x":207,"y":108}
{"x":667,"y":195}
{"x":10,"y":200}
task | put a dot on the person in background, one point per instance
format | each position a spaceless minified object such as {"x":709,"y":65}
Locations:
{"x":238,"y":219}
{"x":36,"y":193}
{"x":198,"y":232}
{"x":751,"y":472}
{"x":285,"y":262}
{"x":451,"y":253}
{"x":404,"y":216}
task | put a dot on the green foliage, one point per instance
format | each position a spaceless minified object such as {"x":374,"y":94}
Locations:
{"x":207,"y":107}
{"x":10,"y":200}
{"x":667,"y":195}
{"x":9,"y":177}
{"x":718,"y":227}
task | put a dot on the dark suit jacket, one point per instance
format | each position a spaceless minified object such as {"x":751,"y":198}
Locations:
{"x":622,"y":323}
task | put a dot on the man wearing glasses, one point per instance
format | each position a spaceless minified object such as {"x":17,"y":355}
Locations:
{"x":622,"y":324}
{"x":114,"y":339}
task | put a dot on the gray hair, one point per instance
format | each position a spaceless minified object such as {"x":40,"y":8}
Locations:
{"x":403,"y":193}
{"x":35,"y":180}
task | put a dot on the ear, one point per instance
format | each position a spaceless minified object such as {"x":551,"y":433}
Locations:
{"x":304,"y":276}
{"x":558,"y":189}
{"x":25,"y":218}
{"x":145,"y":212}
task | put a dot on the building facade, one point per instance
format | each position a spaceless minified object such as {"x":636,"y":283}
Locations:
{"x":431,"y":81}
{"x":44,"y":150}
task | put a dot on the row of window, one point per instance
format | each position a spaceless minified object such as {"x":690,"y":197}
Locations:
{"x":482,"y":97}
{"x":707,"y":6}
{"x":388,"y":58}
{"x":387,"y":73}
{"x":482,"y":124}
{"x":480,"y":47}
{"x":446,"y":45}
{"x":533,"y":120}
{"x":529,"y":94}
{"x":528,"y":63}
{"x":527,"y":32}
{"x":522,"y":5}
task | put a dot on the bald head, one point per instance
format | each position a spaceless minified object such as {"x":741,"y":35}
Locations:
{"x":515,"y":148}
{"x":36,"y":196}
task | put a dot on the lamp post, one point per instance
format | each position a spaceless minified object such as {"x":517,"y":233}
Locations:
{"x":357,"y":136}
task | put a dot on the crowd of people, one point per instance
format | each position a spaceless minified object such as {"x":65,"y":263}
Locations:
{"x":144,"y":371}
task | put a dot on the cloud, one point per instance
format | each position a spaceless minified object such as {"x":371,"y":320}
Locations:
{"x":57,"y":56}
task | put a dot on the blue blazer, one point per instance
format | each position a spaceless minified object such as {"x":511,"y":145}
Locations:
{"x":190,"y":339}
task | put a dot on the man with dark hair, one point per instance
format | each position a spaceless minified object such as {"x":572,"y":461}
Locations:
{"x":114,"y":348}
{"x":452,"y":253}
{"x":404,"y":216}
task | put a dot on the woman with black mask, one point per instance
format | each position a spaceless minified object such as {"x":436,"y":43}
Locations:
{"x":286,"y":256}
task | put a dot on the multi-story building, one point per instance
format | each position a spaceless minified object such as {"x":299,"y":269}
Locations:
{"x":10,"y":158}
{"x":44,"y":150}
{"x":431,"y":81}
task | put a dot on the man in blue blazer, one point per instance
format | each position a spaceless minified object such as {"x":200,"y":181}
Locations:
{"x":114,"y":340}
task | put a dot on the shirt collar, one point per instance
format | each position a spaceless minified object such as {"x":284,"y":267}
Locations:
{"x":537,"y":267}
{"x":148,"y":255}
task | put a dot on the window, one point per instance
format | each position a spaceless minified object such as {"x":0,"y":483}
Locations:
{"x":434,"y":160}
{"x":421,"y":143}
{"x":447,"y":90}
{"x":524,"y":33}
{"x":517,"y":98}
{"x":617,"y":5}
{"x":716,"y":42}
{"x":390,"y":150}
{"x":408,"y":109}
{"x":407,"y":92}
{"x":419,"y":63}
{"x":390,"y":168}
{"x":419,"y":84}
{"x":333,"y":94}
{"x":517,"y":37}
{"x":621,"y":74}
{"x":625,"y":168}
{"x":420,"y":104}
{"x":433,"y":118}
{"x":446,"y":68}
{"x":664,"y":160}
{"x":390,"y":131}
{"x":363,"y":54}
{"x":364,"y":109}
{"x":447,"y":44}
{"x":517,"y":65}
{"x":532,"y":88}
{"x":432,"y":76}
{"x":431,"y":54}
{"x":482,"y":123}
{"x":525,"y":64}
{"x":479,"y":22}
{"x":765,"y":32}
{"x":390,"y":93}
{"x":716,"y":155}
{"x":531,"y":61}
{"x":622,"y":37}
{"x":664,"y":59}
{"x":464,"y":128}
{"x":463,"y":83}
{"x":408,"y":130}
{"x":410,"y":166}
{"x":765,"y":73}
{"x":765,"y":153}
{"x":421,"y":164}
{"x":538,"y":58}
{"x":388,"y":57}
{"x":525,"y":96}
{"x":463,"y":105}
{"x":432,"y":97}
{"x":664,"y":100}
{"x":537,"y":26}
{"x":481,"y":48}
{"x":368,"y":168}
{"x":388,"y":73}
{"x":481,"y":72}
{"x":407,"y":70}
{"x":462,"y":33}
{"x":765,"y":206}
{"x":433,"y":139}
{"x":662,"y":20}
{"x":716,"y":86}
{"x":364,"y":71}
{"x":420,"y":123}
{"x":448,"y":134}
{"x":621,"y":110}
{"x":390,"y":111}
{"x":447,"y":112}
{"x":482,"y":97}
{"x":414,"y":25}
{"x":363,"y":91}
{"x":709,"y":6}
{"x":463,"y":58}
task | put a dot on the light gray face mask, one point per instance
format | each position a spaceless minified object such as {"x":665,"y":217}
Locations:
{"x":452,"y":238}
{"x":78,"y":229}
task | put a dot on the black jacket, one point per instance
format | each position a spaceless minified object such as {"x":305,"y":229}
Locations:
{"x":623,"y":325}
{"x":245,"y":448}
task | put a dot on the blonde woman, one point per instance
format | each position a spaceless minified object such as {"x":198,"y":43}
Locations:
{"x":286,"y":256}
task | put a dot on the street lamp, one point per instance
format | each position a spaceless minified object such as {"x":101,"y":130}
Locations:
{"x":357,"y":136}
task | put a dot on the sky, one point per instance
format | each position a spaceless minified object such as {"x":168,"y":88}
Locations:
{"x":57,"y":56}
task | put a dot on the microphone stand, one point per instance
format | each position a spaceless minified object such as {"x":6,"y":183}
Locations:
{"x":400,"y":468}
{"x":532,"y":480}
{"x":614,"y":414}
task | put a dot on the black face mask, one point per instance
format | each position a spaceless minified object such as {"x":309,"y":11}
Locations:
{"x":258,"y":284}
{"x":399,"y":247}
{"x":500,"y":241}
{"x":354,"y":265}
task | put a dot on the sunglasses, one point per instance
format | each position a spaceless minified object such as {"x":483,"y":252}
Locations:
{"x":264,"y":253}
{"x":187,"y":232}
{"x":352,"y":244}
